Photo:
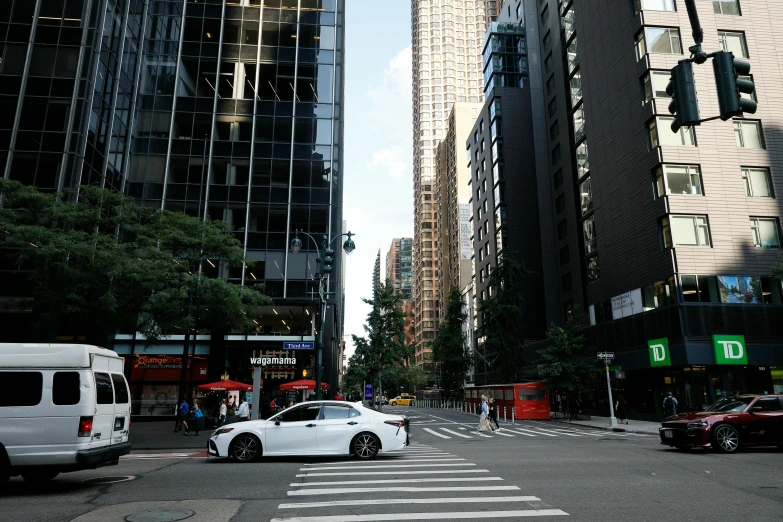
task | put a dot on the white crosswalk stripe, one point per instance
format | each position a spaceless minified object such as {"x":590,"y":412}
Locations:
{"x":458,"y":434}
{"x":436,"y":433}
{"x":418,"y":490}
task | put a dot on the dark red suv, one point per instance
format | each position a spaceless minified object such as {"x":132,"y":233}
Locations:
{"x":728,"y":424}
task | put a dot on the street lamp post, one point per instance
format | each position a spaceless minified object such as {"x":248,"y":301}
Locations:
{"x":325,"y":261}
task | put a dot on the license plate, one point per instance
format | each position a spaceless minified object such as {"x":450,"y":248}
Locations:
{"x":669,"y":434}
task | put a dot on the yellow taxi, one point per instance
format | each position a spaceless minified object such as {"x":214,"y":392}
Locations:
{"x":403,"y":400}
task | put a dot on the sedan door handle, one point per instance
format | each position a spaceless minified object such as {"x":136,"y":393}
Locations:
{"x":353,"y":422}
{"x":310,"y":425}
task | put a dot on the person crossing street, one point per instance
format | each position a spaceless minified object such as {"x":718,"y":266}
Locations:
{"x":484,"y":424}
{"x":493,"y":415}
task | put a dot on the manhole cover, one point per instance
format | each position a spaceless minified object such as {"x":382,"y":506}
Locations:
{"x":109,"y":480}
{"x":160,"y":515}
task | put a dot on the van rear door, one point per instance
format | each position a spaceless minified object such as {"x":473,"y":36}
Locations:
{"x":121,"y":426}
{"x":103,"y":422}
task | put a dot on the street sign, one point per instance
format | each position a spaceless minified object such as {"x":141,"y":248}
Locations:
{"x":606,"y":355}
{"x":368,"y":391}
{"x":309,"y":345}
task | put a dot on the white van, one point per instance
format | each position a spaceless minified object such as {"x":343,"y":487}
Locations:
{"x":63,"y":407}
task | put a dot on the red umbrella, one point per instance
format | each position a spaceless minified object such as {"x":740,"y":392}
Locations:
{"x":304,"y":384}
{"x":225,"y":386}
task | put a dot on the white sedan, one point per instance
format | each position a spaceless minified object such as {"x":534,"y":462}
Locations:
{"x":312,"y":428}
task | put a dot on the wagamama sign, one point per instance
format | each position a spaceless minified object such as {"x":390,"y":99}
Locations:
{"x":264,"y":361}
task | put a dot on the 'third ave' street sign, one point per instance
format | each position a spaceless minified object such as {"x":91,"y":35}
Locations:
{"x":299,"y":346}
{"x":606,"y":355}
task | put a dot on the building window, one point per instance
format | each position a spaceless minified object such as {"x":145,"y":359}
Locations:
{"x":586,"y":196}
{"x":553,"y":107}
{"x":654,"y":5}
{"x":576,"y":88}
{"x":685,"y":231}
{"x":548,"y":64}
{"x":765,"y":232}
{"x":562,"y":229}
{"x":660,"y":40}
{"x":544,"y":15}
{"x":573,"y":57}
{"x":550,"y":85}
{"x":582,"y":160}
{"x":565,"y":256}
{"x":565,"y":282}
{"x":726,"y":7}
{"x":556,"y":154}
{"x":560,"y":203}
{"x":699,"y":289}
{"x":661,"y":133}
{"x":588,"y":229}
{"x":678,"y":179}
{"x":547,"y":39}
{"x":733,"y":42}
{"x":654,"y":84}
{"x":558,"y":178}
{"x":757,"y":182}
{"x":748,"y":134}
{"x":592,"y":269}
{"x":554,"y":131}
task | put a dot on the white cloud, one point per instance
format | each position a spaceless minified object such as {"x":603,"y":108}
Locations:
{"x":394,"y":160}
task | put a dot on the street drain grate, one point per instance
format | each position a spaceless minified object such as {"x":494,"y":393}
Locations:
{"x":109,"y":480}
{"x":160,"y":515}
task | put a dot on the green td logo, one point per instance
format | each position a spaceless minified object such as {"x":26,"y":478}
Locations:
{"x":659,"y":352}
{"x":730,"y":349}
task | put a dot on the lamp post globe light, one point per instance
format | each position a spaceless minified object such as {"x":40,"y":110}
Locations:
{"x":324,"y":260}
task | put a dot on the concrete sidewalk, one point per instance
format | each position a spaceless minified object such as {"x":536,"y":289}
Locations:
{"x":602,"y":423}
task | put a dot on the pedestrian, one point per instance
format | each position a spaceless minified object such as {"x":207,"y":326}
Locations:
{"x":484,"y":424}
{"x":184,"y":409}
{"x":621,"y":410}
{"x":222,"y":413}
{"x":198,"y":417}
{"x":493,"y":414}
{"x":272,"y":406}
{"x":244,"y":411}
{"x":670,"y":405}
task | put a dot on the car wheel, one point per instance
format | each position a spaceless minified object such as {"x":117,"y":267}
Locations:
{"x":365,"y":446}
{"x":245,"y":448}
{"x":725,"y":438}
{"x":394,"y":403}
{"x":39,"y":475}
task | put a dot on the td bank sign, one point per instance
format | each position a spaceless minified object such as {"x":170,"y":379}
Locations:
{"x":659,"y":352}
{"x":730,"y":349}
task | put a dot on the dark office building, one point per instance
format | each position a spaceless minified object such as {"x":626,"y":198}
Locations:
{"x":227,"y":109}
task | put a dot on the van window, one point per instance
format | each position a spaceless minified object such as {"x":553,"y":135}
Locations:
{"x":65,"y":388}
{"x":20,"y":388}
{"x":103,"y":388}
{"x":120,"y":389}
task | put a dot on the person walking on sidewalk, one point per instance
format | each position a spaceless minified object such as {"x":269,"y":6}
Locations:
{"x":670,"y":405}
{"x":244,"y":411}
{"x":483,"y":419}
{"x":198,"y":417}
{"x":621,"y":410}
{"x":184,"y":409}
{"x":222,"y":414}
{"x":493,"y":415}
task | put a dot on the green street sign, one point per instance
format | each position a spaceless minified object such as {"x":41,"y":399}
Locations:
{"x":659,"y":352}
{"x":730,"y":349}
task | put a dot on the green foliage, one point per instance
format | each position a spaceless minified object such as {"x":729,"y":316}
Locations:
{"x":566,"y":363}
{"x":777,"y":271}
{"x":450,"y":350}
{"x":104,"y":264}
{"x":501,"y":332}
{"x":407,"y":378}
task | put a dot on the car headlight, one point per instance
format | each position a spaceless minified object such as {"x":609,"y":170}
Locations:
{"x":221,"y":431}
{"x":699,"y":424}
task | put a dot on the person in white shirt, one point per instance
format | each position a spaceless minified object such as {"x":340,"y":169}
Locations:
{"x":244,"y":411}
{"x":223,"y":411}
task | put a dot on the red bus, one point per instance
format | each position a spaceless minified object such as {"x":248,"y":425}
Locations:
{"x":529,"y":400}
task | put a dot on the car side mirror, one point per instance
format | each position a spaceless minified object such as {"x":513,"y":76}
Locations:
{"x":277,"y":423}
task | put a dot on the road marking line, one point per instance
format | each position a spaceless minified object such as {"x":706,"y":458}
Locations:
{"x":393,"y":481}
{"x":498,"y":432}
{"x":376,"y":466}
{"x":400,"y":489}
{"x":436,"y":433}
{"x":558,"y":433}
{"x":485,"y":436}
{"x":458,"y":434}
{"x":389,"y":501}
{"x":475,"y":515}
{"x":529,"y":433}
{"x":428,"y":472}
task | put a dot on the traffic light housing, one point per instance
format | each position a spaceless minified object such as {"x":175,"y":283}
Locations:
{"x":684,"y":104}
{"x":730,"y":87}
{"x":307,"y":372}
{"x":328,"y":261}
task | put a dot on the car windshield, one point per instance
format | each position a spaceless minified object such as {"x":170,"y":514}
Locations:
{"x":731,"y":405}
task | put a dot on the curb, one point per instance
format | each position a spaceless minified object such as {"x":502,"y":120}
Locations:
{"x":606,"y":428}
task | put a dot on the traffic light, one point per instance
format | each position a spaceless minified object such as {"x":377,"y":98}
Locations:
{"x":682,"y":89}
{"x":307,"y":372}
{"x":619,"y":374}
{"x":326,"y":266}
{"x":730,"y":86}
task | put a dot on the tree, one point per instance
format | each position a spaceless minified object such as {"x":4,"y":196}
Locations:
{"x":384,"y":346}
{"x":102,"y":263}
{"x":501,"y":329}
{"x":566,"y":363}
{"x":777,"y":271}
{"x":449,"y":350}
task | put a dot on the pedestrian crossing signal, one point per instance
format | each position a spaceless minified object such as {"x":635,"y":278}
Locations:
{"x":307,"y":373}
{"x":619,"y":374}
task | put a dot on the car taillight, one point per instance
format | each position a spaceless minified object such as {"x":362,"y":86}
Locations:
{"x":398,"y":423}
{"x":85,"y":426}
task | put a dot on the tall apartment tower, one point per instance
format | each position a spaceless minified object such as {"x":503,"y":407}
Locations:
{"x":399,"y":266}
{"x":447,"y":38}
{"x":678,"y":231}
{"x":230,"y":109}
{"x":377,"y":279}
{"x":455,"y":269}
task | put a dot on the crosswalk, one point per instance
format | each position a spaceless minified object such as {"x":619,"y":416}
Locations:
{"x":420,"y":482}
{"x":530,"y":429}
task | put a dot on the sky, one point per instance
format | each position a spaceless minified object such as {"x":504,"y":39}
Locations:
{"x":378,"y":169}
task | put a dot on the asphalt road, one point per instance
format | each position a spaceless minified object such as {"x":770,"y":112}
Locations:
{"x":544,"y":470}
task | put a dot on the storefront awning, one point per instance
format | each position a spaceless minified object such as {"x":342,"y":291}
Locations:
{"x":224,"y":386}
{"x":304,"y":384}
